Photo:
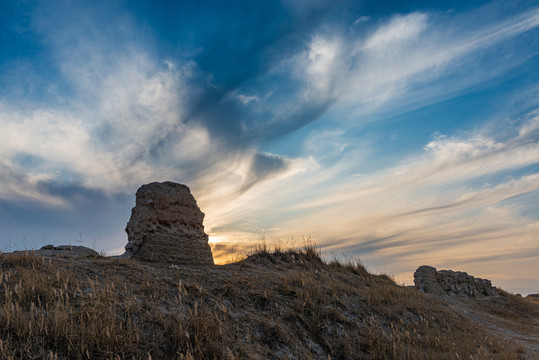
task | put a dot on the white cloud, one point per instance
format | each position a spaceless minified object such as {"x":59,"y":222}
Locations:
{"x":446,"y":149}
{"x":246,"y":99}
{"x":398,"y":31}
{"x":392,"y":67}
{"x":531,"y":126}
{"x":323,"y":62}
{"x":18,"y":185}
{"x":362,"y":19}
{"x":326,"y":144}
{"x":99,"y":140}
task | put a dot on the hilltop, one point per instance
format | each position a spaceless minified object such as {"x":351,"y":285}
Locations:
{"x":270,"y":305}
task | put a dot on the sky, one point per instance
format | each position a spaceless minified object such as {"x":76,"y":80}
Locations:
{"x":397,"y":133}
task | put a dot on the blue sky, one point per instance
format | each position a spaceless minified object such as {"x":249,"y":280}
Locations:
{"x":400,"y":133}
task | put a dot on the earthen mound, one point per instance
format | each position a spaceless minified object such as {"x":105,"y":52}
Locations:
{"x":61,"y":251}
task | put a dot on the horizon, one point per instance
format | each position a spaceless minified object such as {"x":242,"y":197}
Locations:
{"x":397,"y":134}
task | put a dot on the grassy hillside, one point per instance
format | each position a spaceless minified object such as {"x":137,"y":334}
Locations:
{"x":280,"y":305}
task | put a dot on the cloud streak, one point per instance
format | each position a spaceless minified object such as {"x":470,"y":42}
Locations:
{"x":391,"y":66}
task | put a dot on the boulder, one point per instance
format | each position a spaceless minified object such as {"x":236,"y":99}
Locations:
{"x":425,"y":280}
{"x":166,"y":227}
{"x":454,"y":283}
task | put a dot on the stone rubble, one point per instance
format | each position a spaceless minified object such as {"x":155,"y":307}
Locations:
{"x":454,"y":283}
{"x":61,"y":251}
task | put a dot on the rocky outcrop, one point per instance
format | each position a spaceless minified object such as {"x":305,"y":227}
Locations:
{"x":455,"y":283}
{"x":62,"y":251}
{"x":166,"y":227}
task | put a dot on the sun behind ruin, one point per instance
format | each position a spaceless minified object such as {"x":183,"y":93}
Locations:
{"x":166,"y":226}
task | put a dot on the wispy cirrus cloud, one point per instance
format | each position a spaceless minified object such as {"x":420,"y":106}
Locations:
{"x":392,"y":66}
{"x":132,"y":114}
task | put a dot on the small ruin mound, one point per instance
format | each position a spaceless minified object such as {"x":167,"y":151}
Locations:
{"x":455,"y":283}
{"x":166,"y":226}
{"x":61,"y":251}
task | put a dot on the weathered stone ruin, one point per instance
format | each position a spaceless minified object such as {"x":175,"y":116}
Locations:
{"x":166,"y":227}
{"x":62,"y":251}
{"x":455,"y":283}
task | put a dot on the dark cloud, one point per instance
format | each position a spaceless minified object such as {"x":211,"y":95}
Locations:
{"x":264,"y":166}
{"x":10,"y":175}
{"x":79,"y":195}
{"x":516,"y":255}
{"x":367,"y":246}
{"x":238,"y":44}
{"x":27,"y":161}
{"x":449,"y":207}
{"x":403,"y":239}
{"x":236,"y":41}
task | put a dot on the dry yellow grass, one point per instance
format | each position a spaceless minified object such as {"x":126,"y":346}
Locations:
{"x":278,"y":305}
